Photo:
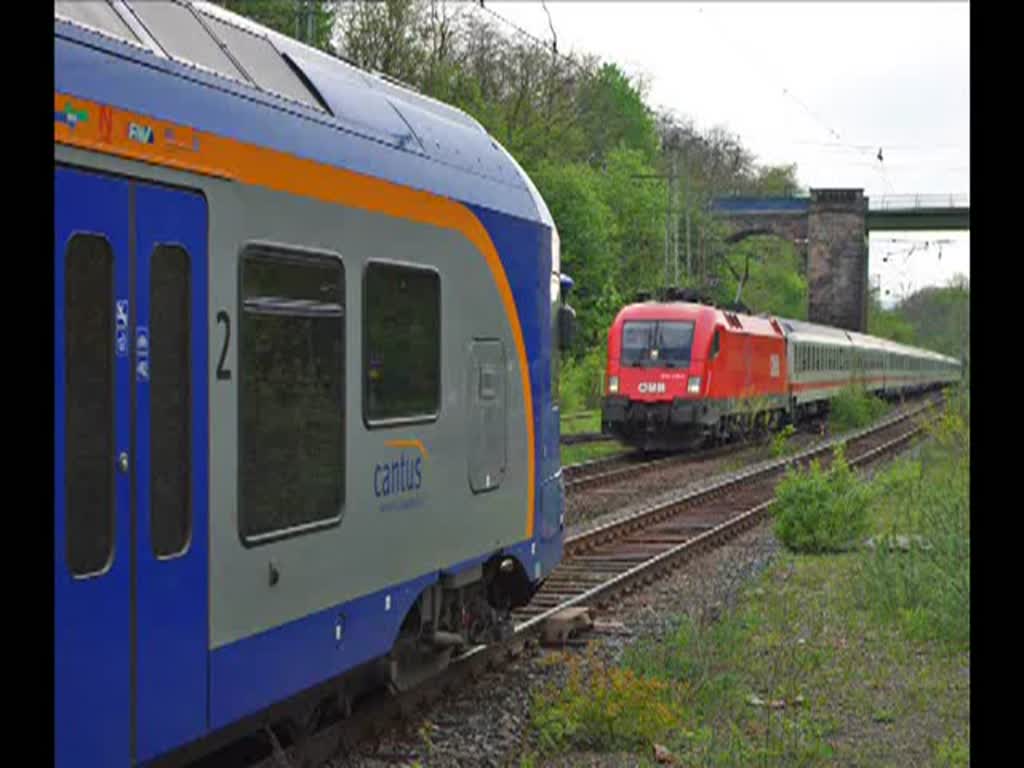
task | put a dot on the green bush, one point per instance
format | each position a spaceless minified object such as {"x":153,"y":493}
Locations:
{"x":603,"y":707}
{"x":854,"y":408}
{"x":781,"y":440}
{"x":821,"y":510}
{"x":581,"y":381}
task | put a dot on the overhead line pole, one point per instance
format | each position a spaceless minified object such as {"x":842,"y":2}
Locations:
{"x":670,"y":211}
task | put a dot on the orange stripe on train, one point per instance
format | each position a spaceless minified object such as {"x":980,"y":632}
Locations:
{"x":160,"y":142}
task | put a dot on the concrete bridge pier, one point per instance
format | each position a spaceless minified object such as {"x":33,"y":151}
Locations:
{"x":837,"y":258}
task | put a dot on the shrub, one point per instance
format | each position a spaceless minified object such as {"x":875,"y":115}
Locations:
{"x":603,"y":708}
{"x":580,"y":382}
{"x":781,"y":440}
{"x":821,"y":510}
{"x":853,"y":408}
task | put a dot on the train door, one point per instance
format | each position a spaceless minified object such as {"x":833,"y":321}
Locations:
{"x":487,"y":417}
{"x":130,"y":581}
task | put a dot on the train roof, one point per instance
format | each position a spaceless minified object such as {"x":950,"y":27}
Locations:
{"x":797,"y":330}
{"x":801,"y":330}
{"x":668,"y":310}
{"x":199,"y":64}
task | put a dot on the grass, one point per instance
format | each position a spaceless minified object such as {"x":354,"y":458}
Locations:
{"x":574,"y":454}
{"x":860,"y":657}
{"x":580,"y":421}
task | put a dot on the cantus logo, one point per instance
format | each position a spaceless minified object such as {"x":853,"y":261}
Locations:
{"x":403,"y":473}
{"x":651,"y":387}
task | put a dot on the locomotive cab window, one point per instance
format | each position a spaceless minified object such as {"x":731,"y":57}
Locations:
{"x":401,"y":344}
{"x":291,"y":392}
{"x":715,"y":344}
{"x":654,"y":343}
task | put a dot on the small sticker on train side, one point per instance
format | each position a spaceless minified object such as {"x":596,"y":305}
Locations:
{"x":140,"y":133}
{"x":121,"y":325}
{"x":142,"y":353}
{"x":71,"y":116}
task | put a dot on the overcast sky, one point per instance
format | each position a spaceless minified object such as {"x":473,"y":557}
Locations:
{"x":820,"y":84}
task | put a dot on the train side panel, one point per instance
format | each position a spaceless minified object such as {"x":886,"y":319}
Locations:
{"x":292,"y":606}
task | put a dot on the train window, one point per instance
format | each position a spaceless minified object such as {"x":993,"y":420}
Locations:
{"x":291,"y":392}
{"x":261,"y":61}
{"x":97,"y":14}
{"x":637,"y":339}
{"x":673,"y":343}
{"x":89,"y":403}
{"x":716,"y":344}
{"x":180,"y":33}
{"x":170,"y":327}
{"x":401,"y":343}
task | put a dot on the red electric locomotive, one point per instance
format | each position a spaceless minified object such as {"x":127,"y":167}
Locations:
{"x":679,"y":373}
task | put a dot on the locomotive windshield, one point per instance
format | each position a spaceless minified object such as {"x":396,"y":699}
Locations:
{"x":648,"y":343}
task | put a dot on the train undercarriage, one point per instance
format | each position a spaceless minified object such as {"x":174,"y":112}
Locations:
{"x":686,"y":425}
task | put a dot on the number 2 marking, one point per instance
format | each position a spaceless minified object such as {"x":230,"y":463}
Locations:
{"x":223,"y":374}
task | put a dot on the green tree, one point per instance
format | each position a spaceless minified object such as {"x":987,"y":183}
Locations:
{"x":637,"y":205}
{"x":938,"y":315}
{"x":586,"y":231}
{"x":777,"y":181}
{"x":612,"y":113}
{"x":774,"y":281}
{"x":888,"y":323}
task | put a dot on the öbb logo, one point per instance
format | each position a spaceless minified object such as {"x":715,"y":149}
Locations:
{"x":403,"y":474}
{"x":651,"y":387}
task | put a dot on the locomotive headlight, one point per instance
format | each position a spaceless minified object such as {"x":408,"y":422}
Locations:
{"x":613,"y":384}
{"x":693,"y":385}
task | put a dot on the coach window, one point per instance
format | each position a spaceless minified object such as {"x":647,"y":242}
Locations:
{"x":291,"y":392}
{"x":401,"y":344}
{"x":170,"y":508}
{"x":89,"y":404}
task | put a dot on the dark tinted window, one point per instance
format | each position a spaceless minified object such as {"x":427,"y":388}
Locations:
{"x":292,"y":384}
{"x":673,"y":343}
{"x":89,"y":403}
{"x":170,"y":389}
{"x":637,"y":338}
{"x":716,"y":344}
{"x":402,"y":342}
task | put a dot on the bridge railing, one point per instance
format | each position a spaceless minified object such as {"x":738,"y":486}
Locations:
{"x":911,"y":202}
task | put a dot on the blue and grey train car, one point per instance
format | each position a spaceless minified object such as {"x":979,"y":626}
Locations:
{"x":306,"y":329}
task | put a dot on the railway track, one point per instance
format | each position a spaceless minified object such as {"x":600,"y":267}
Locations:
{"x":612,"y":559}
{"x":619,"y":467}
{"x":578,"y":438}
